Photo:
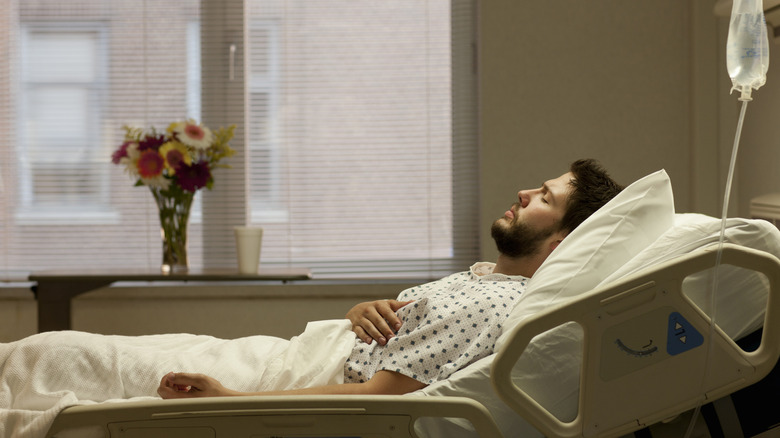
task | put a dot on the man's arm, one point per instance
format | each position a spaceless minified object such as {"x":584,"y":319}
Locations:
{"x":376,"y":320}
{"x":186,"y":385}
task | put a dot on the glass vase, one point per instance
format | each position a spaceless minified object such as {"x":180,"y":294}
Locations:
{"x":174,"y":208}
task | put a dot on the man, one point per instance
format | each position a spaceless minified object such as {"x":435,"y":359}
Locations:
{"x":429,"y":332}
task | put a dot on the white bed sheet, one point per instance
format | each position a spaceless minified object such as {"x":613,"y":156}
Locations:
{"x":45,"y":373}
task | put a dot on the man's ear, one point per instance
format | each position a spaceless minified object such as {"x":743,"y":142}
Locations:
{"x":557,"y":239}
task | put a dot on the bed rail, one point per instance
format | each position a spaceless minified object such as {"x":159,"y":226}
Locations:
{"x":645,"y":348}
{"x":299,"y":416}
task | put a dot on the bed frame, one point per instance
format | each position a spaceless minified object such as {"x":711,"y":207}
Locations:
{"x":624,"y":386}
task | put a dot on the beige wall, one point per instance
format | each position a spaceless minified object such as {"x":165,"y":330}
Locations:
{"x":759,"y":149}
{"x":566,"y":80}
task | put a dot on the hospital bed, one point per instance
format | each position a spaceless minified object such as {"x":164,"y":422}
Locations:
{"x":645,"y":346}
{"x":583,"y":358}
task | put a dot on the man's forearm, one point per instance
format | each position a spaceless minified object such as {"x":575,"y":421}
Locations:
{"x":183,"y":385}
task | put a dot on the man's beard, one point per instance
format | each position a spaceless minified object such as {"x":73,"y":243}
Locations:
{"x":517,"y":239}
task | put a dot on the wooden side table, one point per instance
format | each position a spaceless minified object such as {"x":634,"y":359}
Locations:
{"x":55,"y":289}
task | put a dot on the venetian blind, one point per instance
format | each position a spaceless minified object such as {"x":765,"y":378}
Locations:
{"x":355,"y":139}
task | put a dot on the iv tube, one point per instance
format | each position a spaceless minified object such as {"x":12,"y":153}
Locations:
{"x":747,"y":61}
{"x":714,"y":273}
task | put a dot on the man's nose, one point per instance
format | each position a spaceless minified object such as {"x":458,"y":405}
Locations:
{"x":525,"y":197}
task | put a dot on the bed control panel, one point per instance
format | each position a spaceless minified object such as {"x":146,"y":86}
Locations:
{"x":645,"y":340}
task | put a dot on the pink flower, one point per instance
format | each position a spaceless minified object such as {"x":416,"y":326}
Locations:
{"x":150,"y":164}
{"x":194,"y":135}
{"x":120,"y":153}
{"x":194,"y":177}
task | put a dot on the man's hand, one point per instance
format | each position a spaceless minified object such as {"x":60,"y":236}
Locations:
{"x":376,"y":320}
{"x":187,"y":385}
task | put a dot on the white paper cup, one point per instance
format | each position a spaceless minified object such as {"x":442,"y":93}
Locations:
{"x":248,"y":243}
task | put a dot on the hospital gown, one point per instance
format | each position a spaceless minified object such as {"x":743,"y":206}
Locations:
{"x":452,"y":323}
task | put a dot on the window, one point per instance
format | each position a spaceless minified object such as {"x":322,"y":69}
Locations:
{"x":60,"y":162}
{"x":356,"y":131}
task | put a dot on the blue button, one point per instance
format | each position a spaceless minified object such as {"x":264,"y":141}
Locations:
{"x":681,"y":335}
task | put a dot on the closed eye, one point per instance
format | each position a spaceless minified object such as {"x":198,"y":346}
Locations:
{"x":546,"y":193}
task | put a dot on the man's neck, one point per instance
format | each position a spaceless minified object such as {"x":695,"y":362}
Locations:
{"x":525,"y":266}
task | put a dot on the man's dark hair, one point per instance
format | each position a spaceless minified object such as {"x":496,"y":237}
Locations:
{"x":591,"y":188}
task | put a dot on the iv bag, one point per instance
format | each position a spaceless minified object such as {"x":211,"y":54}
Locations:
{"x":747,"y":47}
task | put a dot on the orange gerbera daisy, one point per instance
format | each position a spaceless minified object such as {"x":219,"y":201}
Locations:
{"x":150,"y":164}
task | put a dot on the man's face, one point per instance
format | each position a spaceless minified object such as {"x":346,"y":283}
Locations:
{"x":535,"y":217}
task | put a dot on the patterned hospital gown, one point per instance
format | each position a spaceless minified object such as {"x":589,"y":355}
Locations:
{"x":452,"y":323}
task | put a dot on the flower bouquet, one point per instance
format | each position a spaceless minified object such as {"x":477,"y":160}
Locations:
{"x":174,"y":165}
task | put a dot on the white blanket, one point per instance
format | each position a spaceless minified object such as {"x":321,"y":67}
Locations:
{"x":45,"y":373}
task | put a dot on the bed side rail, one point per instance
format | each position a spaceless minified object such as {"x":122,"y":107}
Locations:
{"x":646,"y":347}
{"x":353,"y":416}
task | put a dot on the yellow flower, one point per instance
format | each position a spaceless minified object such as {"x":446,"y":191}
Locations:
{"x":175,"y":154}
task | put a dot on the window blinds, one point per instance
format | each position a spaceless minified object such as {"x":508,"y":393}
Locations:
{"x":355,"y":139}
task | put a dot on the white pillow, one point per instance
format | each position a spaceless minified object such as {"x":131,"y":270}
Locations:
{"x":602,"y":243}
{"x":741,"y":296}
{"x":613,"y":235}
